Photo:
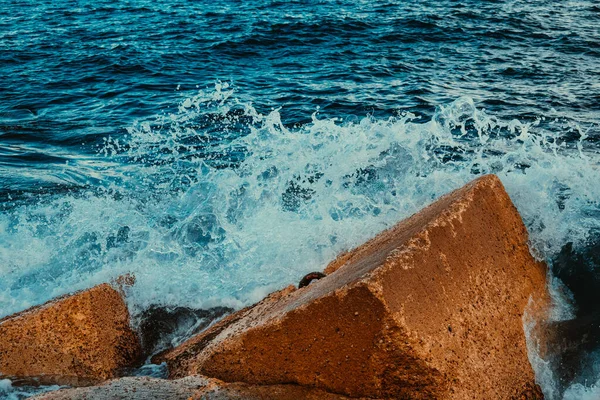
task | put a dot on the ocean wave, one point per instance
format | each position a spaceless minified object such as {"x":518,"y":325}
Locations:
{"x":218,"y":204}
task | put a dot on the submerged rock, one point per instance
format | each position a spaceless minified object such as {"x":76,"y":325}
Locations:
{"x":431,"y":308}
{"x":189,"y":388}
{"x":579,"y":270}
{"x":571,"y":347}
{"x":78,"y":339}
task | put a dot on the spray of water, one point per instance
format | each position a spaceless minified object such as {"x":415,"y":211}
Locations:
{"x":218,"y":204}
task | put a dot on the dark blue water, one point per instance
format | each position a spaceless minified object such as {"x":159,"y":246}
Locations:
{"x":74,"y":73}
{"x":220,"y":150}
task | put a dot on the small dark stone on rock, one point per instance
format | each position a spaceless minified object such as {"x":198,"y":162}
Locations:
{"x":308,"y":278}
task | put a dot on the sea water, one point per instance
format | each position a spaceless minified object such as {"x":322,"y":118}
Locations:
{"x":220,"y":150}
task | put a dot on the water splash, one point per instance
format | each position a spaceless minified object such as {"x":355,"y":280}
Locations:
{"x":218,"y":204}
{"x":582,"y":392}
{"x":8,"y":391}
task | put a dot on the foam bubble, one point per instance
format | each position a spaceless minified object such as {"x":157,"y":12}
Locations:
{"x":5,"y":385}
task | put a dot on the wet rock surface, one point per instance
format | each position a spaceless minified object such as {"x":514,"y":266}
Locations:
{"x":161,"y":328}
{"x":431,"y":308}
{"x":579,"y":270}
{"x":192,"y":387}
{"x":572,"y":346}
{"x":78,"y":339}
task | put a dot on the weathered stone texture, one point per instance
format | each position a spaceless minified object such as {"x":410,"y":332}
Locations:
{"x":78,"y":339}
{"x":188,"y":388}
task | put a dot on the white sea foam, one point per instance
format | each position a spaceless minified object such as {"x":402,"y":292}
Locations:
{"x":198,"y":234}
{"x":582,"y":392}
{"x":8,"y":391}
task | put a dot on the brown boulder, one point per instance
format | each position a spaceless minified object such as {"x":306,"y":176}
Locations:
{"x":78,"y":339}
{"x":431,"y":308}
{"x":188,"y":388}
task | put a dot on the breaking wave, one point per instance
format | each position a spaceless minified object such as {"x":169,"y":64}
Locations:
{"x":219,"y":204}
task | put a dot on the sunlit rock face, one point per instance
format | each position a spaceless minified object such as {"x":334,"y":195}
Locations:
{"x":76,"y":340}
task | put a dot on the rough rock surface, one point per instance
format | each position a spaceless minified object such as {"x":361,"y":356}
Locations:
{"x":78,"y":339}
{"x":431,"y":308}
{"x":189,"y":388}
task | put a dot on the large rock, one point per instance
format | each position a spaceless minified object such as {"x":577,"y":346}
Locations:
{"x":78,"y":339}
{"x":189,"y":388}
{"x":431,"y":308}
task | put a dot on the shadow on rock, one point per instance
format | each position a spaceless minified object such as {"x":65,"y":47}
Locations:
{"x":162,"y":328}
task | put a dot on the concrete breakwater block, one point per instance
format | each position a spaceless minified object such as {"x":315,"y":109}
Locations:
{"x":78,"y":339}
{"x":429,"y":309}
